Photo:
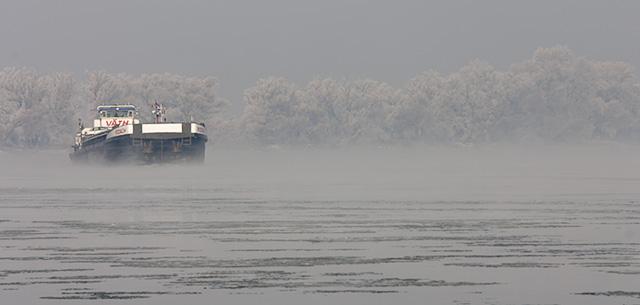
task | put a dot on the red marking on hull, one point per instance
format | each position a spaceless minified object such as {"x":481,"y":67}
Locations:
{"x":116,"y":122}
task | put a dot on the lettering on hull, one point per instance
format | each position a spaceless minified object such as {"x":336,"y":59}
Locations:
{"x":116,"y":122}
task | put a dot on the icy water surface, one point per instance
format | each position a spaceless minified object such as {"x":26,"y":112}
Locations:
{"x":439,"y":226}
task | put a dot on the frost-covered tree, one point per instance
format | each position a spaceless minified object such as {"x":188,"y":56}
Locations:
{"x":319,"y":108}
{"x":363,"y":111}
{"x":37,"y":109}
{"x":555,"y":96}
{"x":413,"y":118}
{"x":617,"y":101}
{"x":43,"y":109}
{"x":21,"y":95}
{"x":552,"y":92}
{"x":61,"y":108}
{"x":559,"y":96}
{"x":477,"y":100}
{"x":272,"y":114}
{"x":185,"y":97}
{"x":324,"y":112}
{"x":103,"y":87}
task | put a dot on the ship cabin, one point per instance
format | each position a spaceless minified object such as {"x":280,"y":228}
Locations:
{"x":116,"y":111}
{"x":111,"y":116}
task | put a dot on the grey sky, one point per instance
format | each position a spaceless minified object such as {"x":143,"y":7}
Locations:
{"x":241,"y":41}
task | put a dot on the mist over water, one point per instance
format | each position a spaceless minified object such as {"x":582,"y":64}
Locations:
{"x":451,"y":225}
{"x":496,"y":172}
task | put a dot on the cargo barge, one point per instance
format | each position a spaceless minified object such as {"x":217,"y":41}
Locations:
{"x":118,"y":136}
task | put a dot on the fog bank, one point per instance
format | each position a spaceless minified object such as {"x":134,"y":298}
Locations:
{"x":499,"y":173}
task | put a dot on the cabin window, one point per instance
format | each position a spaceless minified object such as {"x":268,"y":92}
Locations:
{"x":117,"y":112}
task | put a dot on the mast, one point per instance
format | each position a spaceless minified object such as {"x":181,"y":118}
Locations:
{"x":158,"y":112}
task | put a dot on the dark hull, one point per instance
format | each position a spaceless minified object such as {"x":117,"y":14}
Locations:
{"x":129,"y":149}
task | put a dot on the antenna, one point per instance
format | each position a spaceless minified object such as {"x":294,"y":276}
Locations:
{"x":158,"y":112}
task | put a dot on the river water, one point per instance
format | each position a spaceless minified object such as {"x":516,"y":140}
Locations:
{"x":498,"y":225}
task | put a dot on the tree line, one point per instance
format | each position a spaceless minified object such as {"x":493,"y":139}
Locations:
{"x":556,"y":96}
